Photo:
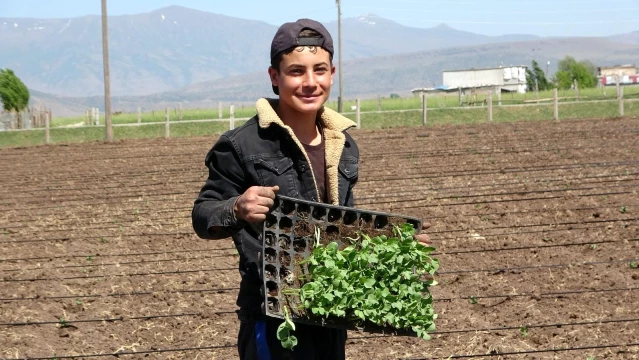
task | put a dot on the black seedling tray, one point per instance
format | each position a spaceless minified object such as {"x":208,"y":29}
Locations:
{"x":288,"y":237}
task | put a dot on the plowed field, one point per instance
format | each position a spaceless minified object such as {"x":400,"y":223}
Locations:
{"x":536,"y":226}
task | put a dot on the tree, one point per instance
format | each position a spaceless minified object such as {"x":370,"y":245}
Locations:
{"x":537,"y":74}
{"x":570,"y":70}
{"x":13,"y":93}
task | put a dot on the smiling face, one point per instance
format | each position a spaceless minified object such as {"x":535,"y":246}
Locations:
{"x":304,"y":79}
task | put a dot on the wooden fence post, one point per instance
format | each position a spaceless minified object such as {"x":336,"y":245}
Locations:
{"x":358,"y":114}
{"x":621,"y":101}
{"x":577,"y":89}
{"x":219,"y":109}
{"x":47,"y":135}
{"x":379,"y":103}
{"x":167,"y":133}
{"x":499,"y":97}
{"x":139,"y":115}
{"x":424,"y":109}
{"x":232,"y":117}
{"x":180,"y":112}
{"x":490,"y":107}
{"x":556,"y":104}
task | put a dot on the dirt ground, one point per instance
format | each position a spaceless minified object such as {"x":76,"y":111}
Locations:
{"x":536,"y":226}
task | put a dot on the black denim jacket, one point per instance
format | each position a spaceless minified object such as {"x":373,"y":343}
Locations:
{"x":265,"y":152}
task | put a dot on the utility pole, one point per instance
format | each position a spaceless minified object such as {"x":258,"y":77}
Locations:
{"x":107,"y":83}
{"x":339,"y":53}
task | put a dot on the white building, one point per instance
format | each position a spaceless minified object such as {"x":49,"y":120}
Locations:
{"x":511,"y":79}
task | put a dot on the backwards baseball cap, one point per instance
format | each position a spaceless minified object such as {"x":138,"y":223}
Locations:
{"x":287,"y":37}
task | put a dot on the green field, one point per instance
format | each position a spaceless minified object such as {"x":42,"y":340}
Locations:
{"x":382,"y":104}
{"x":396,"y":112}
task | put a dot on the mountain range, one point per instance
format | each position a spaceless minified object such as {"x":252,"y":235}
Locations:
{"x":180,"y":54}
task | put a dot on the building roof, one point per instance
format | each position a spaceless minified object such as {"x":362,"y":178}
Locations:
{"x":632,"y":66}
{"x":490,"y":68}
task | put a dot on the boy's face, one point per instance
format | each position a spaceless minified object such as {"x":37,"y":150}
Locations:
{"x":305,"y":78}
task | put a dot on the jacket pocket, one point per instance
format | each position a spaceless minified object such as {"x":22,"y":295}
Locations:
{"x":277,"y":171}
{"x":276,"y":166}
{"x":349,"y":168}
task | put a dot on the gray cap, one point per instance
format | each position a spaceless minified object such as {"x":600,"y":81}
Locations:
{"x":287,"y":37}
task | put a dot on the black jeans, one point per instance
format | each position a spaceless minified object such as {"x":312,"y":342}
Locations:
{"x":258,"y":341}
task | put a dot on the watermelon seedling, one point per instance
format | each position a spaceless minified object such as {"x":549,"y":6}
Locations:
{"x":374,"y":280}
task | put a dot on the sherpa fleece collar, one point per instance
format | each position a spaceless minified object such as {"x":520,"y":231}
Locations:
{"x":329,"y":118}
{"x":333,"y":123}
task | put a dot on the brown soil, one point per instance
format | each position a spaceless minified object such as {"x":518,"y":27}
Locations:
{"x":98,"y":254}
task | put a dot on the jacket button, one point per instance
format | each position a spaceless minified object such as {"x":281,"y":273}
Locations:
{"x":313,"y":198}
{"x":346,"y":170}
{"x":303,"y":168}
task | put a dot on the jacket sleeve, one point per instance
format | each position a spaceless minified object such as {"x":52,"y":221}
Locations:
{"x":212,"y":215}
{"x":350,"y":201}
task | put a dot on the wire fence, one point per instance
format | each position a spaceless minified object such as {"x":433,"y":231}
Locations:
{"x":487,"y":109}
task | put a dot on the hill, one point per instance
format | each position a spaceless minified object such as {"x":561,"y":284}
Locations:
{"x":173,"y":47}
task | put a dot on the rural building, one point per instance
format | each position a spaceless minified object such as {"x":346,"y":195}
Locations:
{"x":608,"y":75}
{"x":472,"y":82}
{"x":504,"y":79}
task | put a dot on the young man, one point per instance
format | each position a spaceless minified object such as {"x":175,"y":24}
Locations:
{"x":296,"y":147}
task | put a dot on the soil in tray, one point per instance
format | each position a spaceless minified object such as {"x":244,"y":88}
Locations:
{"x":300,"y":243}
{"x":285,"y":259}
{"x":269,"y":255}
{"x":270,"y":272}
{"x":272,"y":288}
{"x":303,"y":228}
{"x":285,"y":242}
{"x":296,"y":281}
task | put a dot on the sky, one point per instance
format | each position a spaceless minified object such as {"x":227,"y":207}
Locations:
{"x":488,"y":17}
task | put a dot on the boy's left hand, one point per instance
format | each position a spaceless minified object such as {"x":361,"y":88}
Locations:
{"x":423,"y":238}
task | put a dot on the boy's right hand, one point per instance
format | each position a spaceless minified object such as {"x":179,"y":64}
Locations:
{"x":255,"y":203}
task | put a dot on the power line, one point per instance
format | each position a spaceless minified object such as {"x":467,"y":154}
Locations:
{"x":509,"y":2}
{"x":446,"y":21}
{"x":570,"y":11}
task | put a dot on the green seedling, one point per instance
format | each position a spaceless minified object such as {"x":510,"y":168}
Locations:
{"x":90,"y":258}
{"x":63,"y":323}
{"x":103,"y":240}
{"x":284,"y":332}
{"x":594,"y":246}
{"x":523,"y":331}
{"x":473,"y":300}
{"x":623,"y":210}
{"x":377,"y":280}
{"x":78,"y":302}
{"x":633,"y":265}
